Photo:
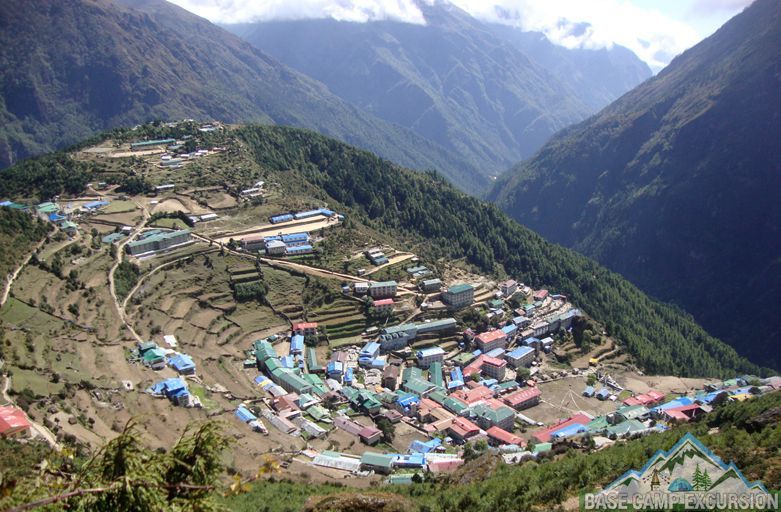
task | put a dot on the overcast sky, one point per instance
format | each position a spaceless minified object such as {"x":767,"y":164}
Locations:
{"x":656,"y":30}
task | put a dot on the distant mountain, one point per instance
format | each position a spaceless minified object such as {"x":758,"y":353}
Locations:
{"x":596,"y":76}
{"x":676,"y":185}
{"x":70,"y":68}
{"x":484,"y":92}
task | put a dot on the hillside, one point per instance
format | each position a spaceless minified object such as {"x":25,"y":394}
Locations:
{"x":77,"y":67}
{"x":675,"y":185}
{"x":154,"y":303}
{"x":483,"y":95}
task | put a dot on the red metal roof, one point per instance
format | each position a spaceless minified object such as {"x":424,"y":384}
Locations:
{"x":383,"y":302}
{"x":503,"y":436}
{"x":464,"y":428}
{"x":304,"y":325}
{"x":493,"y":361}
{"x":521,"y":396}
{"x":544,"y":436}
{"x":487,"y":337}
{"x":12,"y":420}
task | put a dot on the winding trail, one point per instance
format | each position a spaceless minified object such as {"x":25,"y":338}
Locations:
{"x":119,"y":258}
{"x":12,"y":276}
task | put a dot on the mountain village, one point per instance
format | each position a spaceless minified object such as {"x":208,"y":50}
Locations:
{"x":414,"y":366}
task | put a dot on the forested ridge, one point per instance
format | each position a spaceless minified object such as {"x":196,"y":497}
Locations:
{"x":662,"y":338}
{"x":676,"y":184}
{"x":19,"y":232}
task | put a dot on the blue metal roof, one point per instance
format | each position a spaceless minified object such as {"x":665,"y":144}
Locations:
{"x":571,"y":430}
{"x":348,"y":375}
{"x":520,"y":352}
{"x":295,"y":237}
{"x":95,"y":204}
{"x":181,"y":362}
{"x":678,"y":402}
{"x":432,"y":351}
{"x":300,"y":248}
{"x":296,"y":343}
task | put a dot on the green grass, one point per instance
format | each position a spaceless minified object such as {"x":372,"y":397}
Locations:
{"x":168,"y":223}
{"x":39,"y":384}
{"x":341,"y":342}
{"x":20,"y":314}
{"x":119,"y":207}
{"x":203,"y":396}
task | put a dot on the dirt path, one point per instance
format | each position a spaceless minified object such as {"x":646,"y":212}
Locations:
{"x":12,"y":277}
{"x":42,"y":431}
{"x":119,"y":257}
{"x":396,"y":258}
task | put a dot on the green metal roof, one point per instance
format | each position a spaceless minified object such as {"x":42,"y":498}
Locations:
{"x":381,"y":460}
{"x":542,"y":447}
{"x":460,"y":288}
{"x":435,"y":373}
{"x":417,"y":386}
{"x":157,"y":237}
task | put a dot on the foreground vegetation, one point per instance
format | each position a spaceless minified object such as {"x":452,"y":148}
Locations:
{"x":18,"y":234}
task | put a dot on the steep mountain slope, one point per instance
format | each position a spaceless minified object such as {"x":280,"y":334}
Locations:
{"x":74,"y":67}
{"x":676,"y":184}
{"x":597,"y":76}
{"x":452,"y":81}
{"x":448,"y":224}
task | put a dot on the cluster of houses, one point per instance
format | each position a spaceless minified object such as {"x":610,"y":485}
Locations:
{"x":653,"y":411}
{"x":175,"y":389}
{"x":156,"y":358}
{"x":291,"y":244}
{"x":309,"y":214}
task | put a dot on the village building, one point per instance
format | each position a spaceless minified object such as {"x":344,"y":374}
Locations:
{"x":490,"y":340}
{"x":520,"y":357}
{"x":508,"y":288}
{"x":427,"y":356}
{"x":430,"y":285}
{"x":158,"y":241}
{"x":523,"y":398}
{"x":459,"y":296}
{"x":14,"y":423}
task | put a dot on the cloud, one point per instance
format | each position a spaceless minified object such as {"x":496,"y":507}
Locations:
{"x":361,"y":11}
{"x":709,"y":6}
{"x":654,"y":37}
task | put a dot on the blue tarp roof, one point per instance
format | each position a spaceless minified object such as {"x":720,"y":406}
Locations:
{"x":245,"y":415}
{"x":95,"y":204}
{"x":678,"y":402}
{"x":425,"y":447}
{"x":571,"y":430}
{"x":348,"y":376}
{"x":603,"y":392}
{"x":589,"y":390}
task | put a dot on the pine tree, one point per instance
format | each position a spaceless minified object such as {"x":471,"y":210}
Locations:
{"x":701,"y":479}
